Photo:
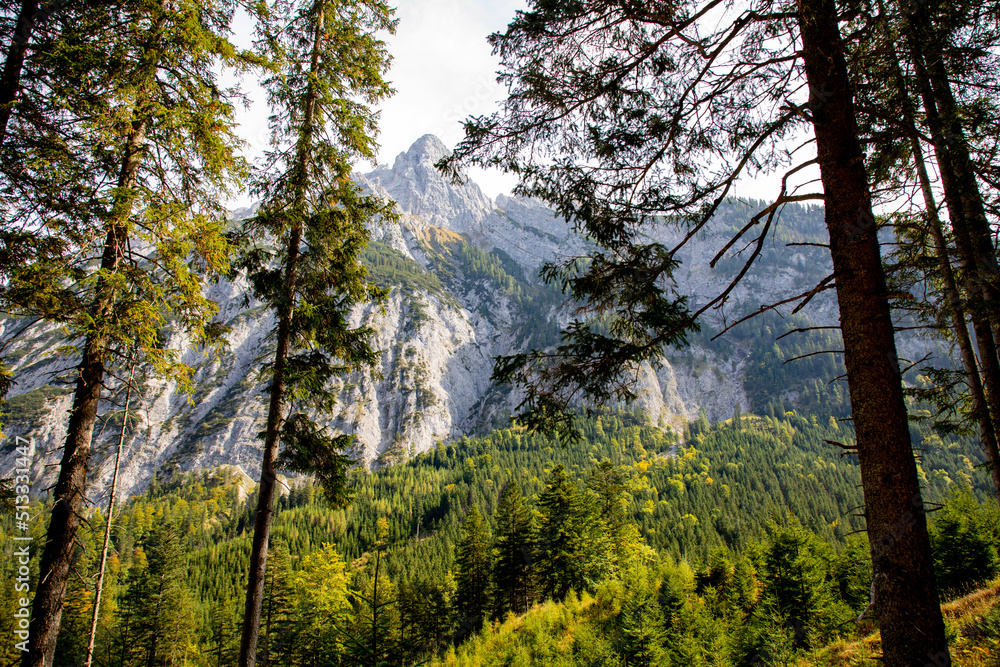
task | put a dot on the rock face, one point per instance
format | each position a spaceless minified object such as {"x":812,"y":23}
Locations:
{"x":462,"y":272}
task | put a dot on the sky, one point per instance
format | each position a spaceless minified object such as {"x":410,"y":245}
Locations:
{"x":442,"y":70}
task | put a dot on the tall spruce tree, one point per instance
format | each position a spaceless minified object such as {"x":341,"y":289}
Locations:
{"x":425,"y":620}
{"x":170,"y":624}
{"x":308,"y":236}
{"x":797,"y":584}
{"x":278,"y":612}
{"x":513,"y":576}
{"x":621,"y":143}
{"x":642,"y":624}
{"x":111,"y":216}
{"x":126,"y":647}
{"x":622,"y":541}
{"x":472,"y":575}
{"x":565,"y":555}
{"x":885,"y":79}
{"x":930,"y":33}
{"x":374,"y":640}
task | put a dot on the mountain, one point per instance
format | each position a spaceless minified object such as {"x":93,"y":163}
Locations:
{"x":462,"y":270}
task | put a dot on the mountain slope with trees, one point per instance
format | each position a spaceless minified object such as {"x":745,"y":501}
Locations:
{"x":456,"y":298}
{"x":688,"y":531}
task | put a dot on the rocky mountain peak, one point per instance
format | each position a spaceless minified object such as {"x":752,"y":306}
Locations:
{"x":420,"y":191}
{"x":427,"y":149}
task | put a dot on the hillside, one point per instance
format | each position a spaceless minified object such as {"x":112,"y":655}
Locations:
{"x":706,"y":514}
{"x":462,"y":274}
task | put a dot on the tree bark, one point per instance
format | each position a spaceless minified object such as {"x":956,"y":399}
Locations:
{"x":906,"y":596}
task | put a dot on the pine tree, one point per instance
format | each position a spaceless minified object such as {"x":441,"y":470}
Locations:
{"x":964,"y":544}
{"x":513,"y":554}
{"x":472,"y":575}
{"x":625,"y":546}
{"x":127,"y":647}
{"x":223,"y":647}
{"x":277,"y":616}
{"x":425,"y":620}
{"x":374,"y":641}
{"x":170,"y":625}
{"x":323,"y":610}
{"x":641,"y":624}
{"x":797,"y":585}
{"x":308,"y":236}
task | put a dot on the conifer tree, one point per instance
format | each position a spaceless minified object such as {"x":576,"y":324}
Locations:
{"x":308,"y":235}
{"x":277,"y":616}
{"x":797,"y":584}
{"x":19,"y":22}
{"x":425,"y":620}
{"x":624,"y":544}
{"x":513,"y":554}
{"x":126,"y":648}
{"x":374,"y":641}
{"x":564,"y":555}
{"x":964,"y":543}
{"x":472,"y":575}
{"x":878,"y":66}
{"x":112,"y":215}
{"x":169,"y":622}
{"x":223,"y":646}
{"x":642,"y":624}
{"x":323,"y":610}
{"x":621,"y":145}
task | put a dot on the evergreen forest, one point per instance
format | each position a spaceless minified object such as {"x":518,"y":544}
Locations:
{"x":735,"y":544}
{"x":690,"y":428}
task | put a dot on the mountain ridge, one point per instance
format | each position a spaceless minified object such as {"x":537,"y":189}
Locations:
{"x":462,"y":269}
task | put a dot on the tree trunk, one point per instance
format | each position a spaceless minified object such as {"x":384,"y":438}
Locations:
{"x":968,"y":219}
{"x":268,"y":472}
{"x":984,"y":416}
{"x":107,"y":528}
{"x":905,"y":592}
{"x":70,"y":489}
{"x":14,"y":64}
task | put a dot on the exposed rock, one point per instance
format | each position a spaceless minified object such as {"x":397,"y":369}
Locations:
{"x":467,"y":291}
